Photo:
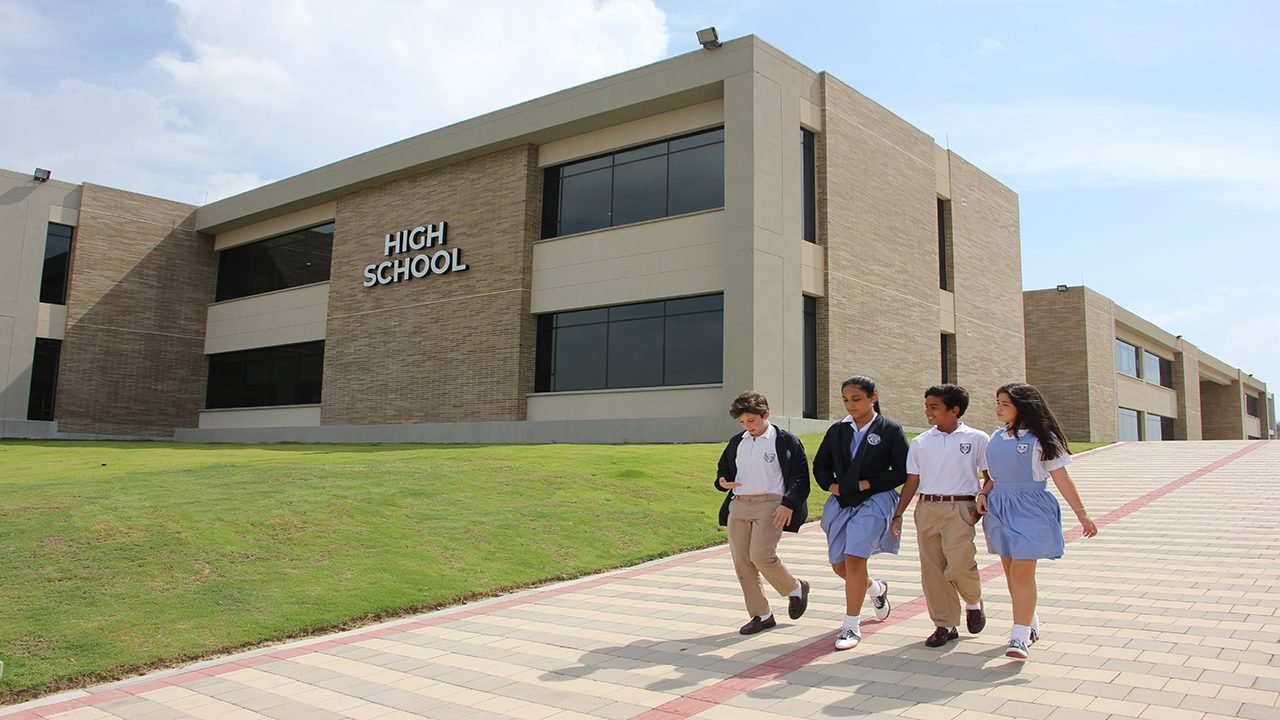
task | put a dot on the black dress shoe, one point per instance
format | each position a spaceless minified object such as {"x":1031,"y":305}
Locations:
{"x":941,"y":636}
{"x":756,"y":625}
{"x":976,"y":619}
{"x":797,"y":605}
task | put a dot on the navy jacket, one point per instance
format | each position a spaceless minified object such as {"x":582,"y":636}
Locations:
{"x":882,"y":462}
{"x":795,"y":476}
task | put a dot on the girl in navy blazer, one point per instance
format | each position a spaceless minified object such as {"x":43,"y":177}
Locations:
{"x":862,"y":461}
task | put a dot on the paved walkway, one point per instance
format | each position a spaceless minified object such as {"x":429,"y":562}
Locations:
{"x":1169,"y":614}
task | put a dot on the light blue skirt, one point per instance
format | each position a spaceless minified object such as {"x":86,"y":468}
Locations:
{"x":1023,"y":522}
{"x":860,"y":531}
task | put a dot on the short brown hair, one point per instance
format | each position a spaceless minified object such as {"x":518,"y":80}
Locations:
{"x":749,"y":402}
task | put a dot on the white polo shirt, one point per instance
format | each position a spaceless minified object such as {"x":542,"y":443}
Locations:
{"x":758,"y":468}
{"x":948,"y":463}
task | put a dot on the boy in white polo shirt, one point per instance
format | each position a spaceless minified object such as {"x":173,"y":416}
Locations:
{"x":943,"y":465}
{"x":766,"y":475}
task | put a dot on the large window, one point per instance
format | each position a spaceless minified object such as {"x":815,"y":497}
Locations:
{"x":1157,"y":370}
{"x":297,"y":258}
{"x":661,"y":179}
{"x":1128,"y":429}
{"x":1126,"y":359}
{"x":1251,"y":405}
{"x":57,"y":263}
{"x":44,"y":379}
{"x":653,"y":344}
{"x":948,"y":347}
{"x":809,"y":188}
{"x":1159,"y":427}
{"x":262,"y":377}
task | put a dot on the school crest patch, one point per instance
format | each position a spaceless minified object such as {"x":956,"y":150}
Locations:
{"x":965,"y":448}
{"x":770,"y":457}
{"x":1023,"y":448}
{"x":873,"y":439}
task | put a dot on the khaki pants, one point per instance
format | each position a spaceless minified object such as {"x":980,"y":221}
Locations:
{"x":948,"y":560}
{"x":753,"y":540}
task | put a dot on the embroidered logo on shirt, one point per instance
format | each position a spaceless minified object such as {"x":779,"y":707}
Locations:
{"x":770,"y":457}
{"x":1023,"y":448}
{"x":873,"y":439}
{"x":965,"y":448}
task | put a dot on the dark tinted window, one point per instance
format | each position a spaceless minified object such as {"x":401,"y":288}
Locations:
{"x":44,"y":379}
{"x":661,"y":179}
{"x":1250,"y":405}
{"x":810,"y":357}
{"x":808,"y":190}
{"x":945,"y":246}
{"x":297,"y":258}
{"x":57,"y":263}
{"x":263,"y":377}
{"x":1157,"y":370}
{"x":652,"y":344}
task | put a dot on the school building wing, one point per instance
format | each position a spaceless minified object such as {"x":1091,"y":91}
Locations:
{"x":1112,"y":375}
{"x":609,"y":263}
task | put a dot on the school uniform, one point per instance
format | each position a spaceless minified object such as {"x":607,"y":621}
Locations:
{"x":946,"y":515}
{"x":857,"y":521}
{"x":774,"y":471}
{"x":1023,"y":520}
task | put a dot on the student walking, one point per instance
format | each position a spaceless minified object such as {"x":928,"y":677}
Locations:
{"x":1023,"y":521}
{"x":943,"y":466}
{"x":766,"y":475}
{"x":861,"y":462}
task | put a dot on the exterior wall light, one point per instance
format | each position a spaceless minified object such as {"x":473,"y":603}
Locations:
{"x":709,"y":38}
{"x":41,"y":175}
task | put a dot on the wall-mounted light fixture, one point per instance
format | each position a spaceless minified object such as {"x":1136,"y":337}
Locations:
{"x":41,"y":175}
{"x":1062,"y":288}
{"x":709,"y":38}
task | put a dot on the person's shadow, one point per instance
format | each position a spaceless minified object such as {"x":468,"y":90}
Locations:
{"x":892,"y":679}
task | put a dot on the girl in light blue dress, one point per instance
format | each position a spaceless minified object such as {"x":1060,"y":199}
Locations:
{"x":1021,"y":518}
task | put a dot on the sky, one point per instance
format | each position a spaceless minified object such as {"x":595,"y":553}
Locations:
{"x":1141,"y":136}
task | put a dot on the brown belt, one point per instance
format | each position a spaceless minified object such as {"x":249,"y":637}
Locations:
{"x":947,"y":498}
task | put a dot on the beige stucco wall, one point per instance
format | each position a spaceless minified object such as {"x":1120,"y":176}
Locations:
{"x":289,"y":416}
{"x":26,"y":209}
{"x":694,"y":401}
{"x":282,"y":317}
{"x":300,"y":219}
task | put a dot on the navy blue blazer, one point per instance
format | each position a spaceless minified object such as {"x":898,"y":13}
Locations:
{"x":795,"y":476}
{"x":881,"y":460}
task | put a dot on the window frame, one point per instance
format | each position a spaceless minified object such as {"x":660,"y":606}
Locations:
{"x":268,"y":363}
{"x":550,"y":370}
{"x":678,"y":147}
{"x":236,"y":282}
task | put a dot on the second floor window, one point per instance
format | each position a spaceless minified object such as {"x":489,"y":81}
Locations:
{"x":662,"y":179}
{"x":290,"y":260}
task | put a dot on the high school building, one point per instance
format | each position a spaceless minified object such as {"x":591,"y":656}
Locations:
{"x":613,"y":262}
{"x":1112,"y":375}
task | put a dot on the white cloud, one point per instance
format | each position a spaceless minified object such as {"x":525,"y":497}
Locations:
{"x":259,"y":90}
{"x":1060,"y":144}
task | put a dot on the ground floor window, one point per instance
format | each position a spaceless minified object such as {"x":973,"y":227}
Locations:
{"x":810,"y":357}
{"x":44,"y":379}
{"x":280,"y":375}
{"x":1159,"y":427}
{"x":650,"y":344}
{"x":1128,"y":430}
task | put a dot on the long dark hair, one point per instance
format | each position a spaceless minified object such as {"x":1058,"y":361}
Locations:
{"x":1034,"y":414}
{"x":866,"y":385}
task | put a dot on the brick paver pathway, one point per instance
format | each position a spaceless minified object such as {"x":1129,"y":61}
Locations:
{"x":1170,"y":614}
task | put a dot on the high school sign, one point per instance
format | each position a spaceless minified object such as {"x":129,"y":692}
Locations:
{"x":419,"y":265}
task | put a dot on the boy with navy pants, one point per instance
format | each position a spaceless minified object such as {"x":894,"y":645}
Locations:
{"x":766,"y":474}
{"x":943,"y":466}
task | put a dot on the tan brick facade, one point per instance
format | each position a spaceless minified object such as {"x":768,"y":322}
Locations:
{"x":1070,"y":340}
{"x":133,"y":359}
{"x":880,"y":207}
{"x":1186,"y":383}
{"x":987,"y":269}
{"x":1222,"y":411}
{"x":457,"y":347}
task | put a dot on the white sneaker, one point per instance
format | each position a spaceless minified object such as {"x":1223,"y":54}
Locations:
{"x":848,"y":638}
{"x":1017,"y":649}
{"x":880,"y":603}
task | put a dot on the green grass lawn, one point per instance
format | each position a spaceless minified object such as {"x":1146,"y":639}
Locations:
{"x":118,"y":557}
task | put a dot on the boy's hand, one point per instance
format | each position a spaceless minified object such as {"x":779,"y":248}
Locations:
{"x":728,"y":485}
{"x":781,"y":516}
{"x":981,"y":502}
